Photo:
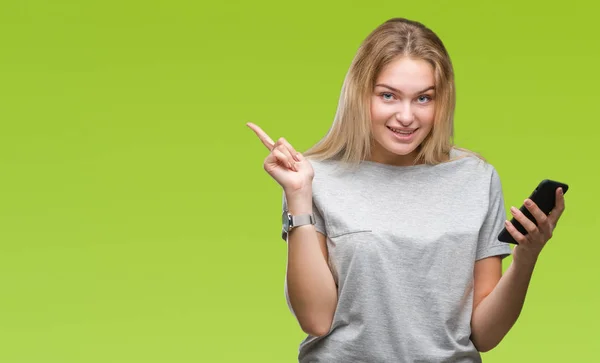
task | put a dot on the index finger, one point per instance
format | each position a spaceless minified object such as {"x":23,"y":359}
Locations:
{"x":535,"y":211}
{"x":266,"y":140}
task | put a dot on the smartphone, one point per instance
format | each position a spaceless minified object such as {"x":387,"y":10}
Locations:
{"x":545,"y":198}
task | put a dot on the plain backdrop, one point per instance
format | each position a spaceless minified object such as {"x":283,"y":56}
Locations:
{"x":137,"y":223}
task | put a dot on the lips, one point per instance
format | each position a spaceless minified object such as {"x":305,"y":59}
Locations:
{"x":402,"y":131}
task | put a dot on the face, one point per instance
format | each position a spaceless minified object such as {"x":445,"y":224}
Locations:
{"x":402,"y":110}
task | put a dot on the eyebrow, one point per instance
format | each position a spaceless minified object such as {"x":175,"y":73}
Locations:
{"x":398,"y":91}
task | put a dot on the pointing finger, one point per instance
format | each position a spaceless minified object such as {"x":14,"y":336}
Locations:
{"x":266,"y":140}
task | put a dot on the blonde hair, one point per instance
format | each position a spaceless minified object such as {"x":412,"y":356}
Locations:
{"x":350,"y":138}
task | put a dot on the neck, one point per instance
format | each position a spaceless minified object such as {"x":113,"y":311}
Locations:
{"x":394,"y":159}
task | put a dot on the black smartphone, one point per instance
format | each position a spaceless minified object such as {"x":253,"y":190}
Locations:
{"x":545,"y":198}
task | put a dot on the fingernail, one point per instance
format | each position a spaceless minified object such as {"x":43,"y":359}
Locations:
{"x":298,"y":156}
{"x":513,"y":209}
{"x":527,"y":202}
{"x":560,"y":191}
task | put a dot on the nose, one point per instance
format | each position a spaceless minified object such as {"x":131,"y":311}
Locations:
{"x":405,"y":115}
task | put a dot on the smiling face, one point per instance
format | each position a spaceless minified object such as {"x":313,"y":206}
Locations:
{"x":402,"y":110}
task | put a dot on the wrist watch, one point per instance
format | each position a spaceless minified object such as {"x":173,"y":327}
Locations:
{"x":290,"y":221}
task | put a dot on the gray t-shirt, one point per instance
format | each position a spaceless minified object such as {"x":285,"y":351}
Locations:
{"x":402,"y":244}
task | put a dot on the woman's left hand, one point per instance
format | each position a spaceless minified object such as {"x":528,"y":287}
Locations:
{"x":530,"y":245}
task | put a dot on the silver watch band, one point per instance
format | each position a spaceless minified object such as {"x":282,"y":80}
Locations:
{"x":302,"y":220}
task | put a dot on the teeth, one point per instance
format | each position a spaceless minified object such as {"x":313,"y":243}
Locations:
{"x":402,"y":132}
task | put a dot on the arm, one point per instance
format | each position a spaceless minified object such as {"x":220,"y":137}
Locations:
{"x":497,"y":300}
{"x":311,"y":288}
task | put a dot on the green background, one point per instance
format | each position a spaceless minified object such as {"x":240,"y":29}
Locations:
{"x":137,"y":223}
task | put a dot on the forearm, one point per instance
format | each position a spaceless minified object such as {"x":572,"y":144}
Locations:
{"x":495,"y":315}
{"x":310,"y":285}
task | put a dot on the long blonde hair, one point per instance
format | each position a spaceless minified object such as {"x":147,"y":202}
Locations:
{"x":350,"y":138}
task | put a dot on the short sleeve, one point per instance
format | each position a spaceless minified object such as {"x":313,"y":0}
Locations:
{"x":488,"y":244}
{"x":318,"y":216}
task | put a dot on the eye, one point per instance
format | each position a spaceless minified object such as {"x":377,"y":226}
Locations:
{"x":424,"y":99}
{"x":387,"y":96}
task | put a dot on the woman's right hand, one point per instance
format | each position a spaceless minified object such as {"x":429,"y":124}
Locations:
{"x":288,"y":167}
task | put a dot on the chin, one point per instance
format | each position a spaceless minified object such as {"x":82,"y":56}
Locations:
{"x":405,"y":152}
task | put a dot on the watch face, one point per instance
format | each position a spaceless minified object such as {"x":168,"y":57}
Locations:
{"x":286,"y":221}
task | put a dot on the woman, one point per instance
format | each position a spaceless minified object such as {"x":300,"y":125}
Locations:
{"x":392,"y":231}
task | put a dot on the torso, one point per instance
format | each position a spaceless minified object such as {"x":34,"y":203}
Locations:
{"x":402,"y":245}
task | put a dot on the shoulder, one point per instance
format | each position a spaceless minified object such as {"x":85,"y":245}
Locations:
{"x":325,"y":169}
{"x":471,"y":160}
{"x":333,"y":177}
{"x":474,"y":169}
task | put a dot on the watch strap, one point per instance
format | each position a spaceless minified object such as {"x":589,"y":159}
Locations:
{"x":301,"y":220}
